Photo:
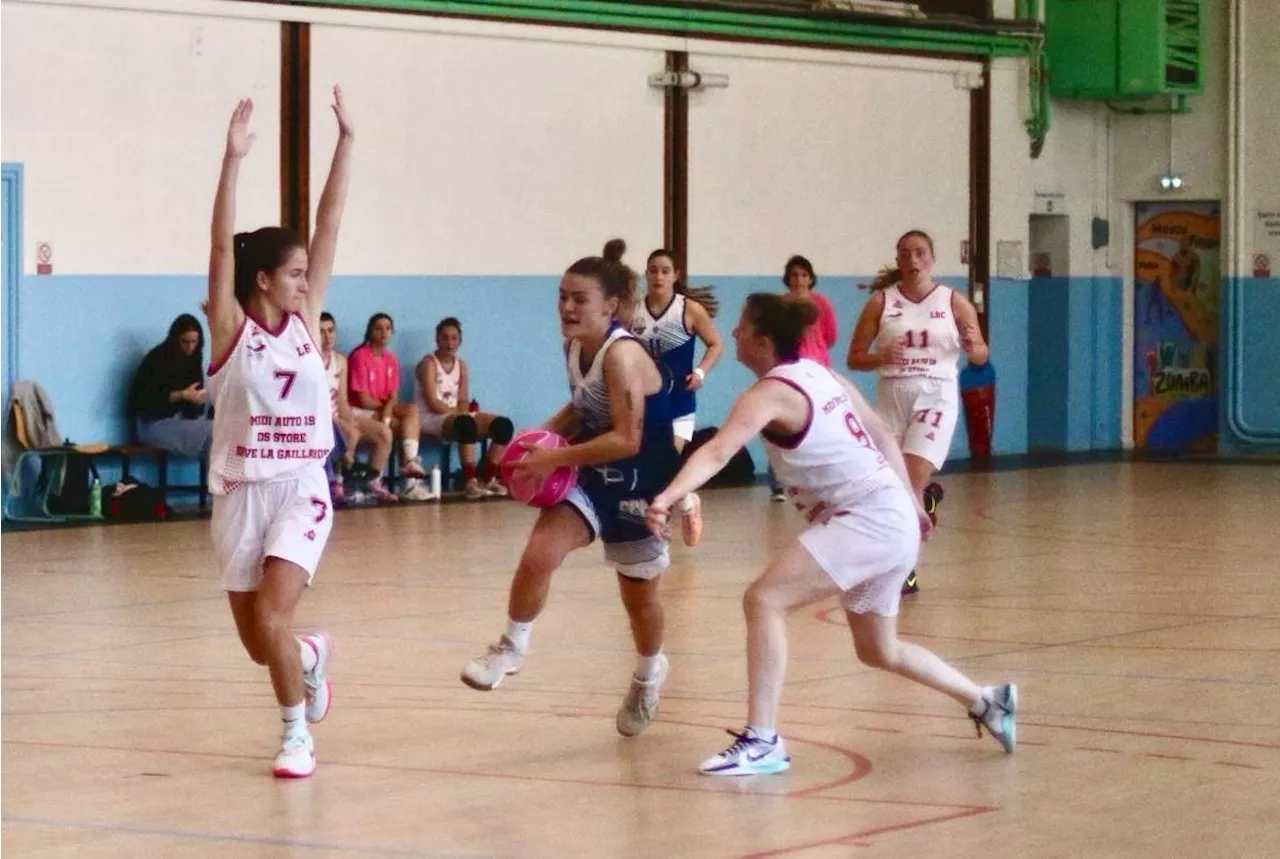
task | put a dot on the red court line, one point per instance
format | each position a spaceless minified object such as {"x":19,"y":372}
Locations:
{"x":1153,"y":735}
{"x":1098,"y":749}
{"x":1241,"y":766}
{"x":858,"y":838}
{"x":1167,"y":757}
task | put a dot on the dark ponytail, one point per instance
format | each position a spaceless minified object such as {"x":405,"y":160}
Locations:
{"x":263,"y":250}
{"x":704,"y":295}
{"x":782,"y":319}
{"x":615,"y":277}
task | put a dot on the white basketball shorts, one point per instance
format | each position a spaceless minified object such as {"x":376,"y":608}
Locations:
{"x":868,"y":549}
{"x":288,"y":519}
{"x":682,"y":427}
{"x":921,"y":414}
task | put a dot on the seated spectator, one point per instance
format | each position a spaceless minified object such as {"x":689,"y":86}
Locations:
{"x":350,"y":428}
{"x":167,"y":399}
{"x":444,"y":389}
{"x":373,"y":380}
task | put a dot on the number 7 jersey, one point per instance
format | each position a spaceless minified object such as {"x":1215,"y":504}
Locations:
{"x":832,"y":461}
{"x":927,"y":331}
{"x":270,"y":395}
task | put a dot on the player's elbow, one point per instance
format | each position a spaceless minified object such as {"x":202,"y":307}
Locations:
{"x":629,"y":441}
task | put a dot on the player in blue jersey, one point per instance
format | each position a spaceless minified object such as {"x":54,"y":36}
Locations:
{"x":620,"y":422}
{"x":671,"y":321}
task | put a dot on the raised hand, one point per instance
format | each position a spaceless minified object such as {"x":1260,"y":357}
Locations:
{"x":345,"y":129}
{"x":239,"y":137}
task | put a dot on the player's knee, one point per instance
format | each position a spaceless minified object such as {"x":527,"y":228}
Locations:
{"x":539,"y":560}
{"x":271,"y":625}
{"x":876,"y":654}
{"x":501,"y":430}
{"x":463,"y":430}
{"x":253,"y":646}
{"x":757,"y":599}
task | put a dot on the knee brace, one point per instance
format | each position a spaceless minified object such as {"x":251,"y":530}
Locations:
{"x":463,"y":430}
{"x":501,"y":430}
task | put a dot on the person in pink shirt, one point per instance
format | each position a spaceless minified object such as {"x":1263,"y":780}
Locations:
{"x":818,"y":338}
{"x":802,"y":284}
{"x":373,"y":388}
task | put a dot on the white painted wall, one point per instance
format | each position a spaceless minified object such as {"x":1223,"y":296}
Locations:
{"x":803,"y":153}
{"x":120,"y":120}
{"x":487,"y":155}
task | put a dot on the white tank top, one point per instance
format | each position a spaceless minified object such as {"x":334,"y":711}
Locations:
{"x":271,"y":406}
{"x":927,"y":331}
{"x":333,"y":375}
{"x":832,"y":462}
{"x":666,"y":331}
{"x":590,"y":391}
{"x":447,"y":383}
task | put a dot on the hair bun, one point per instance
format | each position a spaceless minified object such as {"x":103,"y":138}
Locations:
{"x":614,"y":249}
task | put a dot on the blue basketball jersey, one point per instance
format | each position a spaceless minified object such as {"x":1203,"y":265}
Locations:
{"x":672,"y":346}
{"x":652,"y":467}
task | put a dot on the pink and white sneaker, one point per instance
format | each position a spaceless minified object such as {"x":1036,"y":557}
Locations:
{"x":315,"y":683}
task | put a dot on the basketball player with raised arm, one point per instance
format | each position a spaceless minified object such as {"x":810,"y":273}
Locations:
{"x":845,"y":474}
{"x":272,"y":432}
{"x":619,"y":423}
{"x":919,"y":330}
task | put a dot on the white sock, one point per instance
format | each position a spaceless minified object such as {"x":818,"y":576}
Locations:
{"x":686,"y":503}
{"x":294,"y":718}
{"x":983,"y":703}
{"x":647,"y":667}
{"x":769,"y":735}
{"x":409,"y":447}
{"x":518,"y":634}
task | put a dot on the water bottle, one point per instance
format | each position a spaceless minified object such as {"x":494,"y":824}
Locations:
{"x":435,"y":480}
{"x":95,"y":499}
{"x":475,"y":406}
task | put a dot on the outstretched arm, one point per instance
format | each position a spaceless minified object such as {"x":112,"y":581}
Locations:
{"x":324,"y":243}
{"x":762,"y":404}
{"x":224,"y":312}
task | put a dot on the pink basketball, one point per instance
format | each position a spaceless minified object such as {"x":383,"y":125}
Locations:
{"x":526,"y":490}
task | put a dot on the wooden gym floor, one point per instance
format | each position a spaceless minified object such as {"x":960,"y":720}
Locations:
{"x":1137,"y":607}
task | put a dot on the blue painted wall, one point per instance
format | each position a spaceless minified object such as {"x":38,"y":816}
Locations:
{"x":1074,"y":321}
{"x":82,"y":337}
{"x":1251,"y":365}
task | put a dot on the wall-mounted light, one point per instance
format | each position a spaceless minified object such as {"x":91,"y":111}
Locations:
{"x":1171,"y":181}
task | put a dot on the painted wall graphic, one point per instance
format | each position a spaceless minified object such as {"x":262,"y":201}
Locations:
{"x":1177,"y":292}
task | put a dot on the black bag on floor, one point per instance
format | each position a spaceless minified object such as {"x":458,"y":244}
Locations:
{"x":738,"y":471}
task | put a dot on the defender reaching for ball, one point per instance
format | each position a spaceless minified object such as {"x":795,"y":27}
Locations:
{"x":620,"y":422}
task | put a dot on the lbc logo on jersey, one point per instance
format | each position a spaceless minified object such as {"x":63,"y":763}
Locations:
{"x":938,"y":314}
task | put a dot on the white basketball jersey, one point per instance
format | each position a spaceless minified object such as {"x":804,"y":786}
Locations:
{"x":590,"y":391}
{"x":666,"y":331}
{"x":927,"y":331}
{"x":271,"y":406}
{"x":832,"y":462}
{"x":333,"y":376}
{"x":447,"y":383}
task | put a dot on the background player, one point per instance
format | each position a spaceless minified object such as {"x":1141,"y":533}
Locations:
{"x":670,"y":322}
{"x":918,"y":329}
